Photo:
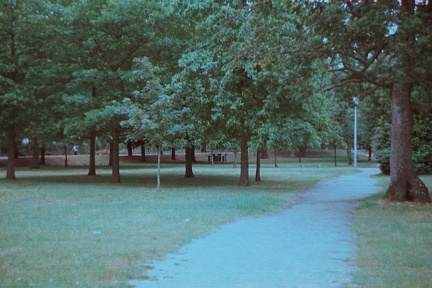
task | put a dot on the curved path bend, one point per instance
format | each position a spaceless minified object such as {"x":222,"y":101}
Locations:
{"x":308,"y":245}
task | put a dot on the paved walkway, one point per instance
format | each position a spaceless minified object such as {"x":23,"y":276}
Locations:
{"x":308,"y":245}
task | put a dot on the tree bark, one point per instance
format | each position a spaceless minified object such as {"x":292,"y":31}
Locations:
{"x":115,"y":177}
{"x":264,"y":154}
{"x":244,"y":157}
{"x":405,"y":185}
{"x":143,"y":156}
{"x":65,"y":150}
{"x":203,"y":147}
{"x":130,"y":148}
{"x":158,"y":181}
{"x":42,"y":156}
{"x":10,"y":172}
{"x":92,"y":159}
{"x":370,"y":150}
{"x":275,"y":158}
{"x":300,"y":154}
{"x":173,"y":153}
{"x":258,"y":166}
{"x":110,"y":161}
{"x":334,"y":152}
{"x":188,"y":161}
{"x":35,"y":158}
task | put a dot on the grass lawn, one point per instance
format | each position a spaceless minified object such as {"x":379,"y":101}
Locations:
{"x":61,"y":228}
{"x":395,"y":242}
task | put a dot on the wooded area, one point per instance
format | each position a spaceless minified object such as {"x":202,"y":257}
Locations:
{"x":248,"y":75}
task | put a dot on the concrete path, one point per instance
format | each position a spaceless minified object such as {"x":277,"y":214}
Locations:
{"x":308,"y":245}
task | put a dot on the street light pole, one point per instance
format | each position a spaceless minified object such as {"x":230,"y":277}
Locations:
{"x":356,"y":102}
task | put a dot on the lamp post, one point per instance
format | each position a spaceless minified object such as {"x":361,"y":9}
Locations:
{"x":356,"y":102}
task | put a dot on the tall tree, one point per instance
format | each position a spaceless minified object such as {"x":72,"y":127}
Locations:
{"x":108,"y":36}
{"x":383,"y":43}
{"x":25,"y":62}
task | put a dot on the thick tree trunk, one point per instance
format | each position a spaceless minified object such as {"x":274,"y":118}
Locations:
{"x":143,"y":156}
{"x":405,"y":185}
{"x":10,"y":172}
{"x":130,"y":148}
{"x":188,"y":161}
{"x":173,"y":153}
{"x":115,"y":177}
{"x":35,"y":158}
{"x":244,"y":158}
{"x":258,"y":166}
{"x":203,"y":147}
{"x":92,"y":159}
{"x":42,"y":156}
{"x":264,"y":154}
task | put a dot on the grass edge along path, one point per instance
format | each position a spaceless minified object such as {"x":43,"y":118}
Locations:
{"x":60,"y":228}
{"x":394,"y":242}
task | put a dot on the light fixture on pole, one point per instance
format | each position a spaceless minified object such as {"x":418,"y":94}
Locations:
{"x":356,"y":102}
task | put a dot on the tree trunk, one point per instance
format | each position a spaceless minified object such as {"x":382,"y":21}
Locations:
{"x":203,"y":147}
{"x":35,"y":158}
{"x":143,"y":156}
{"x":130,"y":148}
{"x":188,"y":161}
{"x":370,"y":153}
{"x":115,"y":177}
{"x":92,"y":159}
{"x":66,"y":156}
{"x":334,"y":152}
{"x":275,"y":158}
{"x":244,"y":157}
{"x":300,"y":154}
{"x":264,"y":154}
{"x":10,"y":172}
{"x":158,"y":182}
{"x":42,"y":156}
{"x":405,"y":185}
{"x":173,"y":153}
{"x":258,"y":166}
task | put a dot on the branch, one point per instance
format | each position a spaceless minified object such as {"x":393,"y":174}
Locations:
{"x":342,"y":83}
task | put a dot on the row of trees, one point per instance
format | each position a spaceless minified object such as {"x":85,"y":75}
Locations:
{"x":249,"y":74}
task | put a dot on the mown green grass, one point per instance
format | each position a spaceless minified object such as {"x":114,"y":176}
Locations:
{"x":394,"y":241}
{"x":61,"y":228}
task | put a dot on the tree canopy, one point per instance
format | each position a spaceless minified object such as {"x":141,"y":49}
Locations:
{"x":254,"y":74}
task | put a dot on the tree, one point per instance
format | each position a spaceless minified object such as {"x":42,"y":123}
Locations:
{"x":107,"y":36}
{"x":383,"y":43}
{"x":25,"y":63}
{"x":148,"y":110}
